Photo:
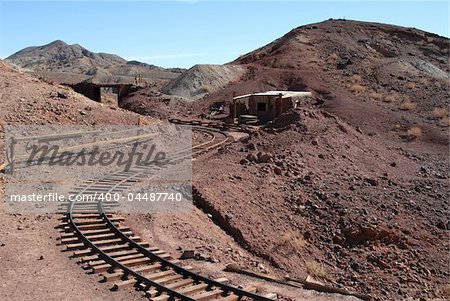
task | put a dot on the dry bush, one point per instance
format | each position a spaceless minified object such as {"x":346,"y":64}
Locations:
{"x":438,"y":84}
{"x":294,"y":240}
{"x":355,"y":79}
{"x":411,"y":85}
{"x":397,"y":126}
{"x":445,"y":121}
{"x":440,"y":113}
{"x":414,"y":132}
{"x":423,"y":81}
{"x":375,"y":96}
{"x":408,"y":106}
{"x":205,"y":89}
{"x":315,"y":269}
{"x":391,"y":98}
{"x":446,"y":289}
{"x":355,"y":84}
{"x":333,"y":56}
{"x":430,"y":40}
{"x":357,"y":88}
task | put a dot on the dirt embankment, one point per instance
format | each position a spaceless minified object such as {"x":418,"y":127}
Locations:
{"x":33,"y":267}
{"x":316,"y":196}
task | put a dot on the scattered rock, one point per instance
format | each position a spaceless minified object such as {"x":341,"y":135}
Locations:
{"x":62,"y":95}
{"x":277,"y":170}
{"x":251,"y":146}
{"x":188,"y":254}
{"x":372,"y":181}
{"x":251,"y":158}
{"x":264,"y":157}
{"x":244,"y":161}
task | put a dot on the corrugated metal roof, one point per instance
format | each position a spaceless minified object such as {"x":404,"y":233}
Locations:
{"x":276,"y":93}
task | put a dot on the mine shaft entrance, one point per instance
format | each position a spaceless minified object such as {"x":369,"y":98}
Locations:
{"x":94,"y":91}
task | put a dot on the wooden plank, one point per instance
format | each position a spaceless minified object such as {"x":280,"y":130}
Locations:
{"x":118,"y":259}
{"x":131,"y":282}
{"x":305,"y":283}
{"x":194,"y":289}
{"x":272,"y":296}
{"x":118,"y":274}
{"x":208,"y":295}
{"x":231,"y":297}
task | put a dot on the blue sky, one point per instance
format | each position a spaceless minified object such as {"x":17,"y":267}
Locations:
{"x":187,"y":32}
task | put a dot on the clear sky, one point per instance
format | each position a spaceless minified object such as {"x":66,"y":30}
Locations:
{"x":186,"y":32}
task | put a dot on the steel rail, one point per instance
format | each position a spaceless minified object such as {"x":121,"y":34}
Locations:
{"x":226,"y":289}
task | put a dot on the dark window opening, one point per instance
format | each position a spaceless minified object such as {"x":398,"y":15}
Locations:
{"x":261,"y":107}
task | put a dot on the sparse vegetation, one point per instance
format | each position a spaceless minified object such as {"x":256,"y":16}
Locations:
{"x":423,"y":81}
{"x":440,"y":113}
{"x":205,"y":89}
{"x":315,"y":269}
{"x":438,"y":84}
{"x":391,"y":98}
{"x":445,"y":121}
{"x":294,"y":240}
{"x":408,"y":106}
{"x":355,"y":79}
{"x":411,"y":85}
{"x":357,"y":88}
{"x":414,"y":132}
{"x":355,"y":84}
{"x":375,"y":96}
{"x":333,"y":56}
{"x":446,"y":289}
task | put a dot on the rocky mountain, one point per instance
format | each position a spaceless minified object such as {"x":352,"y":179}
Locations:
{"x":73,"y":63}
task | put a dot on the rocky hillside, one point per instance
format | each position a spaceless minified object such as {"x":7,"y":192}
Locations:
{"x":353,"y":187}
{"x":73,"y":63}
{"x":384,"y":79}
{"x":201,"y":80}
{"x":26,"y":99}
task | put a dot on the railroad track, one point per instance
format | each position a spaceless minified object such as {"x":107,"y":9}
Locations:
{"x":97,"y":238}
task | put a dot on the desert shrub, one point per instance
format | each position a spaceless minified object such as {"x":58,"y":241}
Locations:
{"x":440,"y":113}
{"x":333,"y":56}
{"x":445,"y":121}
{"x":408,"y":106}
{"x":375,"y":96}
{"x":355,"y":84}
{"x":414,"y":132}
{"x":357,"y":88}
{"x":355,"y":79}
{"x":438,"y":84}
{"x":391,"y":98}
{"x":411,"y":85}
{"x":205,"y":89}
{"x":423,"y":81}
{"x":294,"y":240}
{"x":446,"y":289}
{"x":430,"y":40}
{"x":315,"y":269}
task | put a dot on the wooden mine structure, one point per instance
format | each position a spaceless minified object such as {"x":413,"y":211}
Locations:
{"x":265,"y":106}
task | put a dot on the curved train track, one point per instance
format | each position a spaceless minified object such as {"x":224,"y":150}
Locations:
{"x":96,"y":237}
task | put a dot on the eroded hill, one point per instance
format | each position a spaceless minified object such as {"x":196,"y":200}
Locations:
{"x":61,"y":62}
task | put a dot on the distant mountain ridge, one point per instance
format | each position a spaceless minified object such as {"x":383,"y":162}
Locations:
{"x":59,"y":61}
